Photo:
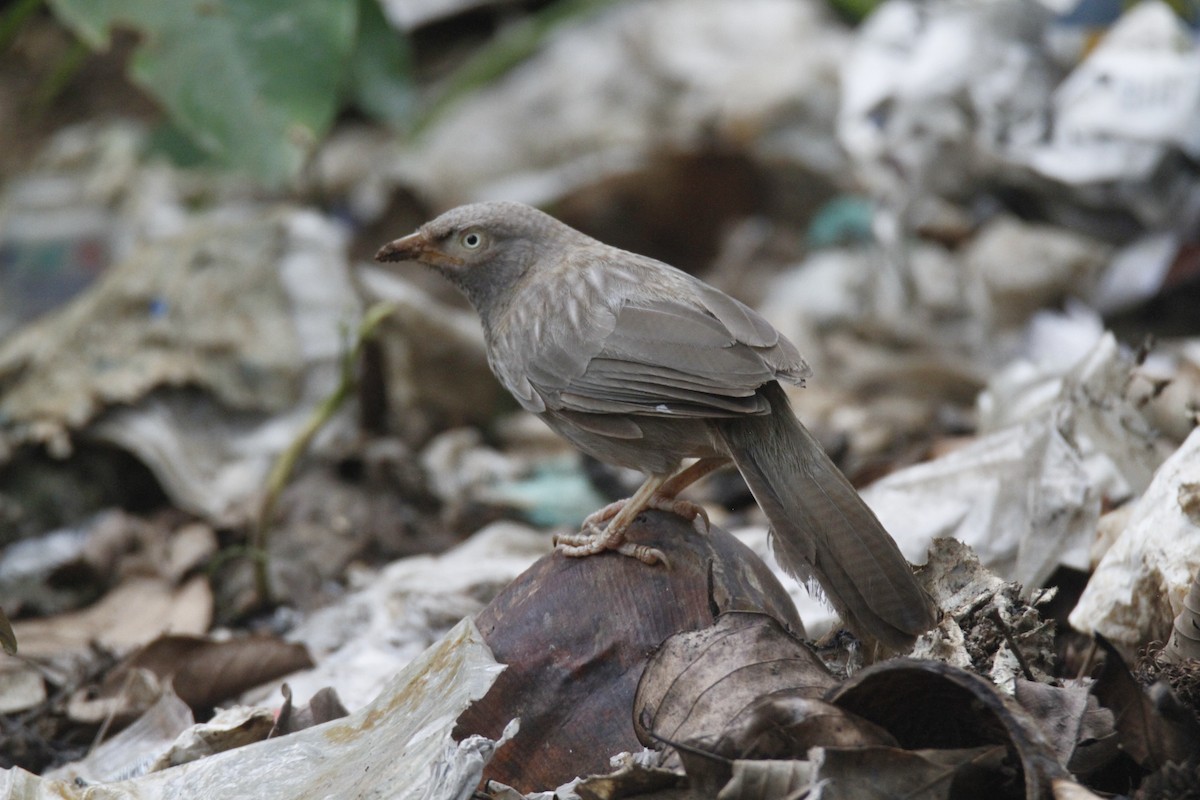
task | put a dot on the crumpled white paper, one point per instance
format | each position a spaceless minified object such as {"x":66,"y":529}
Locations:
{"x":930,"y":87}
{"x":942,"y":97}
{"x":212,"y":461}
{"x":635,"y":79}
{"x":1027,"y":497}
{"x":1134,"y":96}
{"x":1141,"y":582}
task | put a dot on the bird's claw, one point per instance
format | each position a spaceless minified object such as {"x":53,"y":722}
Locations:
{"x":578,"y":545}
{"x":686,"y":509}
{"x":644,"y":553}
{"x":592,"y":538}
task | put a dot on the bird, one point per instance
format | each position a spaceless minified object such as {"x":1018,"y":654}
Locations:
{"x":642,"y":365}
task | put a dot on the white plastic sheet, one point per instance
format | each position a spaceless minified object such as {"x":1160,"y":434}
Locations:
{"x":397,"y":747}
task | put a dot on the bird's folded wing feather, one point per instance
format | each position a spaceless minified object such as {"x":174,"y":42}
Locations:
{"x":664,"y":357}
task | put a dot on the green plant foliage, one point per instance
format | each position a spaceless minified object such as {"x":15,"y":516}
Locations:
{"x":254,"y":83}
{"x":380,"y":81}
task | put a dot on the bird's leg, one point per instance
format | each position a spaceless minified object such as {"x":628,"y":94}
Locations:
{"x":612,"y":537}
{"x":594,"y":521}
{"x":666,"y":498}
{"x":657,"y":492}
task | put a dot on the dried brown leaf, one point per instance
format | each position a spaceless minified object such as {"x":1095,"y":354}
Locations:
{"x":122,"y":544}
{"x":188,"y":547}
{"x":786,"y":726}
{"x":1081,"y":732}
{"x":768,"y":780}
{"x":204,"y":672}
{"x":322,"y":707}
{"x":229,"y":729}
{"x":133,"y":613}
{"x":1151,"y":725}
{"x":700,"y":681}
{"x":120,"y":701}
{"x":1172,"y":782}
{"x":884,"y":773}
{"x":741,"y":688}
{"x":927,"y":704}
{"x":576,"y":634}
{"x":8,"y":639}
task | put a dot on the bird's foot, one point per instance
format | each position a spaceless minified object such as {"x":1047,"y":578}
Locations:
{"x":594,"y":523}
{"x":672,"y":505}
{"x":593,"y":539}
{"x":683,"y":508}
{"x":578,"y":545}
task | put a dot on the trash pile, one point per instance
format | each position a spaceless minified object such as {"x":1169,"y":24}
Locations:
{"x":269,"y":524}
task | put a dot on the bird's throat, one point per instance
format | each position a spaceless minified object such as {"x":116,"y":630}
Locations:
{"x":488,"y":287}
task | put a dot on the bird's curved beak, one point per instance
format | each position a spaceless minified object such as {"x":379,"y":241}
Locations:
{"x":416,"y":247}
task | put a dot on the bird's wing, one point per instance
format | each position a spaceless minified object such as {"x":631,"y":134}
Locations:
{"x":694,"y":353}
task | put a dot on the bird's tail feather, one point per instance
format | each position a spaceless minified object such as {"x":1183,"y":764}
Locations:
{"x":821,"y":529}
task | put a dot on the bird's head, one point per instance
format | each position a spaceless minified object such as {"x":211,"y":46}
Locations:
{"x":482,"y":248}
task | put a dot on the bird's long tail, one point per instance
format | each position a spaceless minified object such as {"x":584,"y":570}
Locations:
{"x":822,"y":529}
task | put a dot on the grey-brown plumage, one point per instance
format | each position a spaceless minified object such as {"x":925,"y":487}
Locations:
{"x":641,"y":365}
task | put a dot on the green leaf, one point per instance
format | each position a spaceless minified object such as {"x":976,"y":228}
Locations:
{"x":254,"y":83}
{"x":168,"y":140}
{"x":381,"y":71}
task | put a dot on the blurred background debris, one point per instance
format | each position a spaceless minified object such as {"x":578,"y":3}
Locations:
{"x":234,"y":454}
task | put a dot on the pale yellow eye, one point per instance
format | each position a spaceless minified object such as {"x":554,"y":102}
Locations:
{"x":471,"y":240}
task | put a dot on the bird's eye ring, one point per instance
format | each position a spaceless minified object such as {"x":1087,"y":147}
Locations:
{"x":472,"y":240}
